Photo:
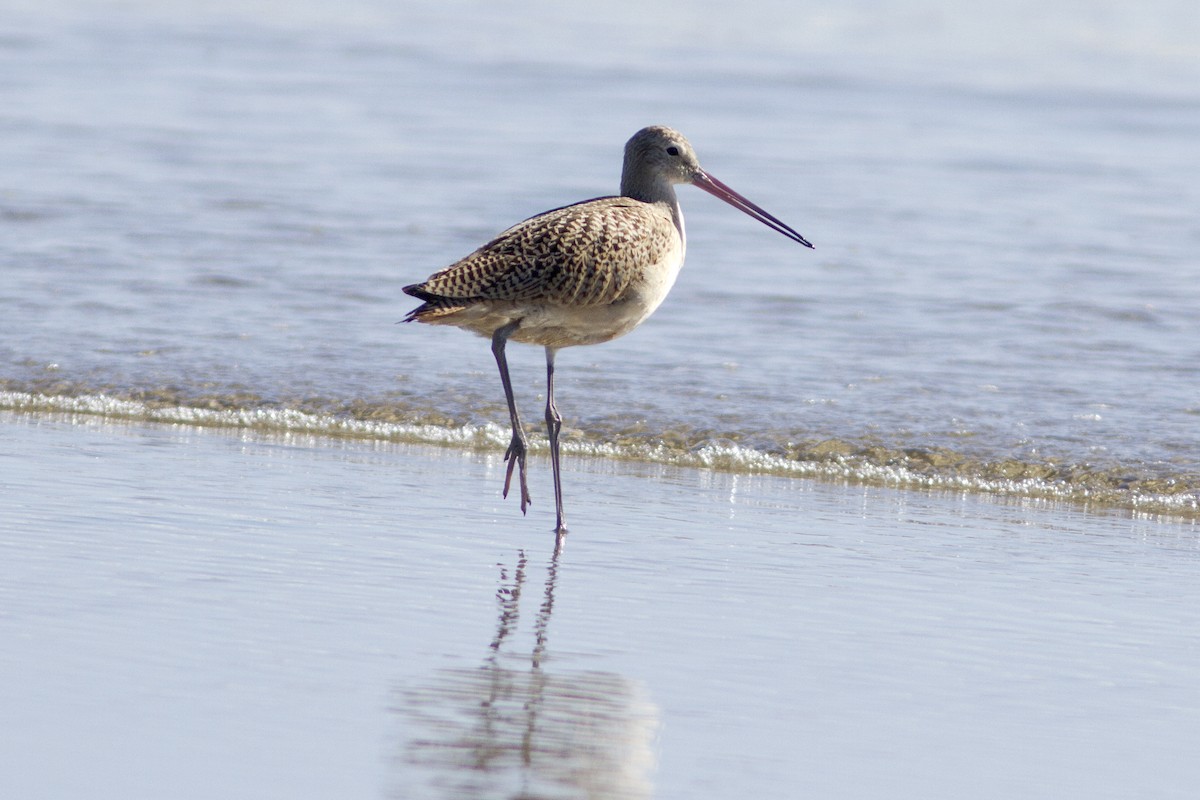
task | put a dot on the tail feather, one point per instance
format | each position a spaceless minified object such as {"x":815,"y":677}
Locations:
{"x":434,"y":307}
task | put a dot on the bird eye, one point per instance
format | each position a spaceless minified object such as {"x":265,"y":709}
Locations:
{"x":672,"y":150}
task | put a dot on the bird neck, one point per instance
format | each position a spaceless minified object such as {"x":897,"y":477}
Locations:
{"x":654,"y":192}
{"x":637,"y":184}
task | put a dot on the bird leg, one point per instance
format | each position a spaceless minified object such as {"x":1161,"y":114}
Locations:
{"x":515,"y":455}
{"x":553,"y":426}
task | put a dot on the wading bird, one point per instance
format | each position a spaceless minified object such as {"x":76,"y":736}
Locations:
{"x":582,"y":274}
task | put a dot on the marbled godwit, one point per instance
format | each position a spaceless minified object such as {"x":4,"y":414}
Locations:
{"x":582,"y":274}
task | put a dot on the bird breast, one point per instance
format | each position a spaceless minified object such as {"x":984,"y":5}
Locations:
{"x":564,"y":324}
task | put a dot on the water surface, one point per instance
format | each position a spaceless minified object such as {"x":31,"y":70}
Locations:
{"x":194,"y":612}
{"x":911,"y":514}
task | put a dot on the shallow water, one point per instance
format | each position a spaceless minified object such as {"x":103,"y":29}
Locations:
{"x":230,"y":569}
{"x":195,"y":612}
{"x":220,"y":206}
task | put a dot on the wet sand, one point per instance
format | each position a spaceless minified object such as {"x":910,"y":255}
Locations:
{"x":194,"y":612}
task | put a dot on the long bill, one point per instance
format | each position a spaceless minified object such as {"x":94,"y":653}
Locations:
{"x":702,"y":180}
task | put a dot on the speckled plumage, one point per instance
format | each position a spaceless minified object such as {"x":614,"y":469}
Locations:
{"x":581,"y":274}
{"x":582,"y":254}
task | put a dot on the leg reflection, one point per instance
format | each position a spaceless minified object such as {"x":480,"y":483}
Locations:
{"x":513,"y":727}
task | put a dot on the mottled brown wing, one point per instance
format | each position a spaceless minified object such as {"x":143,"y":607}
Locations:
{"x":584,"y":254}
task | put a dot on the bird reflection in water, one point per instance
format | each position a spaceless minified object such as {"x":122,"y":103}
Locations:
{"x":511,"y":728}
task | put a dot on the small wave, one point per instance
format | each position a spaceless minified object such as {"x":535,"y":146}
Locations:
{"x":261,"y":418}
{"x":1126,"y":487}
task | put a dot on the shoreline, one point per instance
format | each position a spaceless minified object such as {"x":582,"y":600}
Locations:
{"x":728,"y":458}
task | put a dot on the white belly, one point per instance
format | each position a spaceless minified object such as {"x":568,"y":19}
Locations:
{"x":554,"y":325}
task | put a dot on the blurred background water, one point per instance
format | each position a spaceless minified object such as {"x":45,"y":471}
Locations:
{"x":217,"y":204}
